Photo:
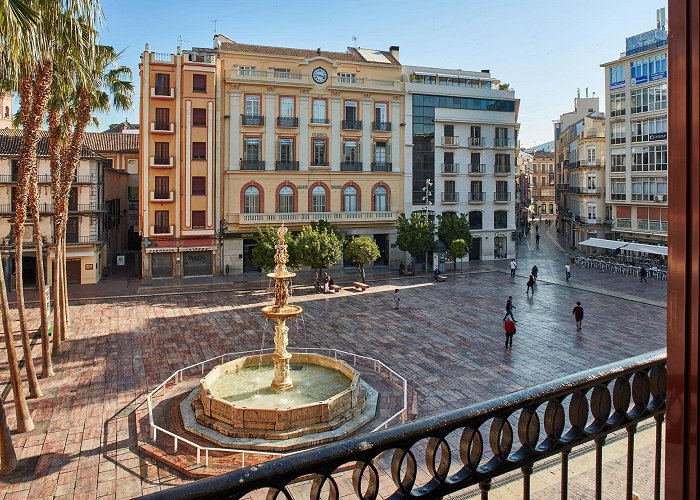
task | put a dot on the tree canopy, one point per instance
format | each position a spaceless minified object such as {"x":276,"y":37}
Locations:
{"x":414,"y":235}
{"x":264,"y":250}
{"x":454,"y":227}
{"x":319,"y":245}
{"x":361,"y":251}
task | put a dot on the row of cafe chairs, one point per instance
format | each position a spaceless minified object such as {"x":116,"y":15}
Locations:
{"x":622,"y":267}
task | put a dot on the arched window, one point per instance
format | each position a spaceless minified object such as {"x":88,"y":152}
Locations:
{"x":318,"y":199}
{"x":286,"y":200}
{"x":350,"y":199}
{"x":381,"y":199}
{"x":251,"y":204}
{"x":7,"y":111}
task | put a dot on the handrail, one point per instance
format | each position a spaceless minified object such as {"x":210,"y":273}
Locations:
{"x":612,"y":397}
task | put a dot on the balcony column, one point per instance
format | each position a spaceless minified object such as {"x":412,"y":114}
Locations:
{"x":336,"y":117}
{"x":234,"y":127}
{"x":270,"y":121}
{"x":304,"y":145}
{"x":396,"y":136}
{"x":366,"y":148}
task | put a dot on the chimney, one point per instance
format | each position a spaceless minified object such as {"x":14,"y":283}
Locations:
{"x":394,"y":49}
{"x":586,"y":92}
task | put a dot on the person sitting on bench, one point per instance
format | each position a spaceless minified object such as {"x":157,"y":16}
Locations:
{"x":402,"y":269}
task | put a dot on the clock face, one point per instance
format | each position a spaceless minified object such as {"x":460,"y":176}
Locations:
{"x":319,"y":75}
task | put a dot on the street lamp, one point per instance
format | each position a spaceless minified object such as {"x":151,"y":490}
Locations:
{"x":426,"y":198}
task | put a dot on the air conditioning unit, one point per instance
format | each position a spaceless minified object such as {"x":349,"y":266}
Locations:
{"x":659,"y":197}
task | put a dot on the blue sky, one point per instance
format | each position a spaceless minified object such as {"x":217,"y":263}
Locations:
{"x":544,"y":49}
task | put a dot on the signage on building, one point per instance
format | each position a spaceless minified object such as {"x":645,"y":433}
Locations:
{"x":661,"y":136}
{"x":121,"y":260}
{"x":302,"y":186}
{"x":647,"y":40}
{"x":319,"y":134}
{"x":617,"y":85}
{"x":658,"y":76}
{"x":640,"y":79}
{"x":336,"y":186}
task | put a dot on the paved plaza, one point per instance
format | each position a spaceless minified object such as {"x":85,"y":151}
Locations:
{"x":447,"y":340}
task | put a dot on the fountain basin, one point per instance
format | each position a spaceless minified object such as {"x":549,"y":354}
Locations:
{"x":284,"y":312}
{"x":235,"y":398}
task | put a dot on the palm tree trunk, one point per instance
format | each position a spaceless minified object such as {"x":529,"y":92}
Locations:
{"x":57,"y":314}
{"x":24,"y":418}
{"x":64,"y":291}
{"x":8,"y":457}
{"x":46,"y":363}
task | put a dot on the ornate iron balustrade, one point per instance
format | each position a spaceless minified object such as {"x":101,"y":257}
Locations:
{"x":599,"y":401}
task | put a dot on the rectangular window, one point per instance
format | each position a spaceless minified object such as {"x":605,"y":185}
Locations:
{"x":617,"y":133}
{"x":347,"y":78}
{"x":618,"y":160}
{"x":252,"y":149}
{"x":503,"y":159}
{"x":162,"y":84}
{"x":381,"y":112}
{"x":475,"y":131}
{"x":162,"y":221}
{"x":590,"y":154}
{"x":650,"y":158}
{"x":199,"y":83}
{"x":544,"y":180}
{"x":475,"y":220}
{"x":351,"y":151}
{"x":281,"y":73}
{"x":651,"y":129}
{"x":199,"y":186}
{"x":591,"y":181}
{"x":198,"y":219}
{"x":320,"y":152}
{"x":617,"y":104}
{"x":645,"y":188}
{"x":319,"y":111}
{"x":351,"y":111}
{"x":162,"y":187}
{"x":287,"y":107}
{"x":380,"y":152}
{"x":246,"y":70}
{"x":162,"y":119}
{"x":617,"y":74}
{"x":500,"y":219}
{"x":501,"y":187}
{"x":449,"y":131}
{"x":286,"y":150}
{"x":652,"y":98}
{"x":162,"y":153}
{"x":199,"y":117}
{"x":199,"y":150}
{"x":592,"y":211}
{"x":618,"y":189}
{"x":252,"y":105}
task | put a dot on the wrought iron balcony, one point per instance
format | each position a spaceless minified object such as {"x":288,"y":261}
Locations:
{"x":351,"y":166}
{"x":501,"y":197}
{"x":501,"y":169}
{"x":552,"y":419}
{"x":253,"y":165}
{"x":319,"y":163}
{"x":320,"y":121}
{"x":381,"y":166}
{"x":381,"y":126}
{"x":74,"y":239}
{"x":585,"y":190}
{"x":477,"y":168}
{"x":450,"y":168}
{"x":476,"y":142}
{"x":477,"y":197}
{"x":253,"y":120}
{"x":286,"y":165}
{"x":352,"y":124}
{"x":287,"y":121}
{"x":450,"y":197}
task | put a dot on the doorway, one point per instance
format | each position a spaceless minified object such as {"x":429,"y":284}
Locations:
{"x":248,"y":246}
{"x":475,"y":249}
{"x":73,"y":271}
{"x":382,"y":241}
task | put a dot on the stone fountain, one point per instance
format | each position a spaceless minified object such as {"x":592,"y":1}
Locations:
{"x":237,"y":405}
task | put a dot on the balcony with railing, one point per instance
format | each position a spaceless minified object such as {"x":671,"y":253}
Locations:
{"x":252,"y":164}
{"x":301,"y":218}
{"x":319,"y":121}
{"x":501,"y":197}
{"x":287,"y":121}
{"x":351,"y":166}
{"x":352,"y":124}
{"x":503,"y":142}
{"x":162,"y":196}
{"x":450,"y":168}
{"x":162,"y":127}
{"x":353,"y":82}
{"x":477,"y":197}
{"x":585,"y":190}
{"x":476,"y":142}
{"x":450,"y":141}
{"x":623,"y":223}
{"x":502,"y":169}
{"x":163,"y":230}
{"x":286,"y":165}
{"x":162,"y":161}
{"x":75,"y":239}
{"x":475,"y":446}
{"x":381,"y":166}
{"x":381,"y":126}
{"x":450,"y":197}
{"x":477,"y":168}
{"x":162,"y":92}
{"x":253,"y":120}
{"x":281,"y":77}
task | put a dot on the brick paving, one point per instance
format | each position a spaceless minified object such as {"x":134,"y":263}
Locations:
{"x":447,"y":340}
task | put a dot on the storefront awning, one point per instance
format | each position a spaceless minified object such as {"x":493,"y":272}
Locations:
{"x":601,"y":243}
{"x":641,"y":247}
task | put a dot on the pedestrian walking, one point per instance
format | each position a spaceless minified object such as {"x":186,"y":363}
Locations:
{"x":513,"y":267}
{"x":530,"y":285}
{"x":397,"y":299}
{"x":509,"y":308}
{"x":533,"y":272}
{"x":510,"y":331}
{"x":567,"y":267}
{"x":578,"y":315}
{"x":643,"y":274}
{"x":537,"y":239}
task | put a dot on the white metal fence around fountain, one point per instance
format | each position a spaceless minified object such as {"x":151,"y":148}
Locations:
{"x":177,"y":376}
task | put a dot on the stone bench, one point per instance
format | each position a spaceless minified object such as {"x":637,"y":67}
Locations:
{"x":442,"y":278}
{"x":336,"y":288}
{"x":360,"y":286}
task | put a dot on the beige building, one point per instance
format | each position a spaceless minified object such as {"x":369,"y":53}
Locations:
{"x":541,"y":184}
{"x":251,"y":135}
{"x":5,"y":111}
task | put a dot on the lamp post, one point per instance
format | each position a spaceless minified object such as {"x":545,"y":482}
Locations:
{"x":426,"y":198}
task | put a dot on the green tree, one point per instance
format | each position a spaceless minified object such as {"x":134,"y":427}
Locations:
{"x":264,"y":250}
{"x":458,"y":250}
{"x":361,"y":251}
{"x":454,"y":227}
{"x":414,"y":235}
{"x":318,"y":246}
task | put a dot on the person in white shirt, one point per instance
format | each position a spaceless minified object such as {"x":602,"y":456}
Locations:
{"x":513,"y":267}
{"x":568,"y":271}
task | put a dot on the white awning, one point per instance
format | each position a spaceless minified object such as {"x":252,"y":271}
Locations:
{"x":641,"y":247}
{"x":601,"y":243}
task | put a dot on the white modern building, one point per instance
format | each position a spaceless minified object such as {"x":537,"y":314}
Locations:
{"x":461,"y":140}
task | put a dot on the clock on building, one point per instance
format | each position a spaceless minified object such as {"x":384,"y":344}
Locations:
{"x":319,"y":75}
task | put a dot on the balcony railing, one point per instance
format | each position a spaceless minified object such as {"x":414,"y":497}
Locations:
{"x":584,"y":190}
{"x":74,"y":239}
{"x":318,"y":163}
{"x":301,"y":218}
{"x":355,"y":82}
{"x":449,"y":140}
{"x":477,"y":168}
{"x":351,"y":166}
{"x":500,"y":142}
{"x":381,"y":126}
{"x":450,"y":168}
{"x":253,"y":120}
{"x":352,"y":124}
{"x":253,"y":165}
{"x":501,"y":169}
{"x":624,"y":223}
{"x":552,"y":419}
{"x":476,"y":142}
{"x":501,"y":197}
{"x":287,"y":121}
{"x":286,"y":165}
{"x":477,"y":197}
{"x":320,"y":121}
{"x":258,"y":74}
{"x":8,"y":179}
{"x":381,"y":166}
{"x":450,"y":197}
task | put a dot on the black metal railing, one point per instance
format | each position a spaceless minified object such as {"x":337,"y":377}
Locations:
{"x":74,"y":239}
{"x":253,"y":120}
{"x":320,"y":121}
{"x":381,"y":126}
{"x":584,"y":190}
{"x":286,"y":165}
{"x":318,"y":163}
{"x":381,"y":166}
{"x":287,"y":121}
{"x":477,"y":196}
{"x":550,"y":419}
{"x":352,"y":124}
{"x":351,"y":166}
{"x":253,"y":164}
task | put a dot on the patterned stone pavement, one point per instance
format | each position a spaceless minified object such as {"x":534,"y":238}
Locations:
{"x":447,"y":340}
